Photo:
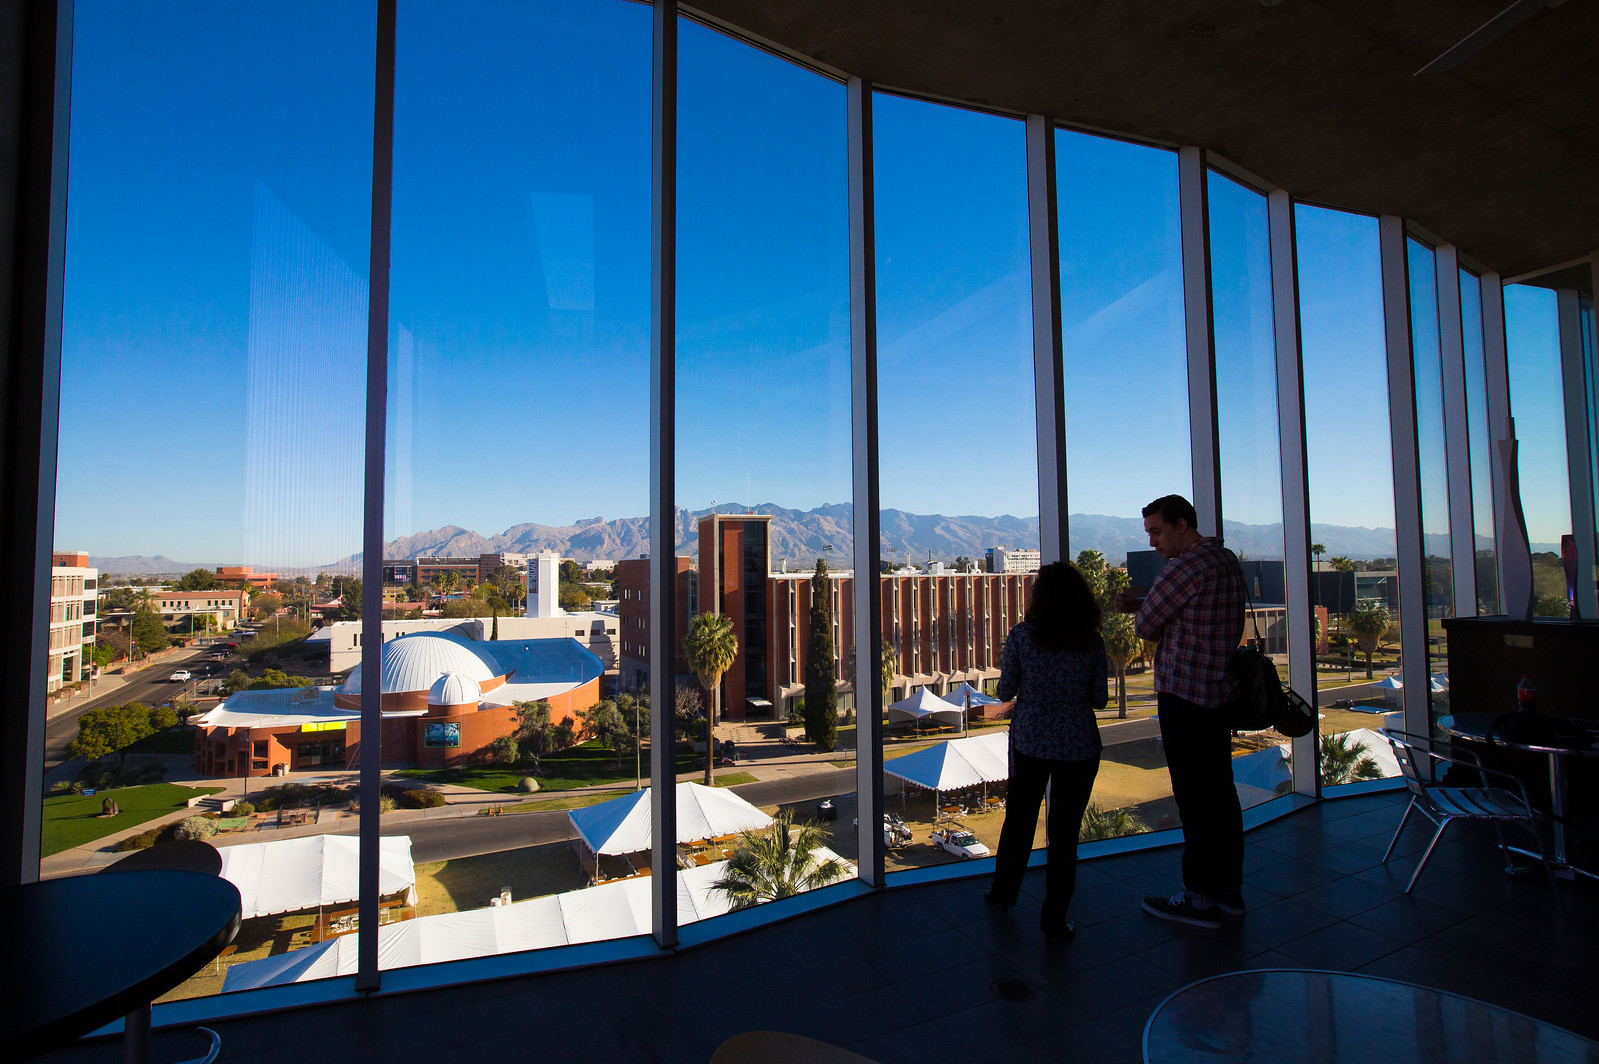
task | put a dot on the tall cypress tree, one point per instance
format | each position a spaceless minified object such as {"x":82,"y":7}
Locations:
{"x":821,"y":688}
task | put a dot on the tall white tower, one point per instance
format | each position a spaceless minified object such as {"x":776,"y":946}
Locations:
{"x":544,"y":585}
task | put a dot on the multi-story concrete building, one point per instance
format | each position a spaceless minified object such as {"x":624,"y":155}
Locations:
{"x":225,"y":606}
{"x":1014,"y":560}
{"x":73,"y":587}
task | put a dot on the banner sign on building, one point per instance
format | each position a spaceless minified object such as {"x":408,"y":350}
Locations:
{"x":323,"y":725}
{"x":441,"y":734}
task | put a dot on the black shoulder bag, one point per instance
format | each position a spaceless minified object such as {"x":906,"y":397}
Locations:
{"x":1263,"y":702}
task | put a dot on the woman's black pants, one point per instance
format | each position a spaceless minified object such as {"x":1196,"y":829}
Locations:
{"x":1070,"y":783}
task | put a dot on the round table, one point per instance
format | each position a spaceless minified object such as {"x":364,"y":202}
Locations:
{"x":1289,"y":1015}
{"x":88,"y":949}
{"x":1477,"y":726}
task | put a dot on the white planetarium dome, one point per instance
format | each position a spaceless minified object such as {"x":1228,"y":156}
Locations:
{"x":453,"y":689}
{"x":412,"y":663}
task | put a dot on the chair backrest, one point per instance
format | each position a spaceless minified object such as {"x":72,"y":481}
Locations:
{"x":1411,"y":751}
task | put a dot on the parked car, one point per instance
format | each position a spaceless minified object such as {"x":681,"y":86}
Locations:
{"x":960,"y":842}
{"x":181,"y":676}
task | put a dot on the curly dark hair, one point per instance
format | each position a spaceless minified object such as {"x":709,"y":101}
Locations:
{"x":1062,"y":609}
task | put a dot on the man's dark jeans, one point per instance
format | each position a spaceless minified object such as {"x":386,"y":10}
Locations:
{"x":1071,"y":784}
{"x":1199,"y":755}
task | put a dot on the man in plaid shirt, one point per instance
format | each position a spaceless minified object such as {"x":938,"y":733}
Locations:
{"x":1195,"y":613}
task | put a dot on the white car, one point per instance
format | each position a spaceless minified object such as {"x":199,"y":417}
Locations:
{"x":960,"y":842}
{"x":181,"y":676}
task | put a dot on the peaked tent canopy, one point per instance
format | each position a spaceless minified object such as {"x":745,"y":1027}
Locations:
{"x":958,"y":696}
{"x":1390,"y":683}
{"x":622,"y":825}
{"x":924,"y":704}
{"x":319,"y":870}
{"x":955,"y":764}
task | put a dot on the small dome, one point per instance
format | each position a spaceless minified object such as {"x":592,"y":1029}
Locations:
{"x":412,"y":662}
{"x":453,"y":689}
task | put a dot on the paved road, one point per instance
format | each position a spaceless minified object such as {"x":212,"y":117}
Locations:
{"x":149,"y":685}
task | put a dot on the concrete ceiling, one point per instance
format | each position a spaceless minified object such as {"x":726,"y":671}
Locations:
{"x":1500,"y":156}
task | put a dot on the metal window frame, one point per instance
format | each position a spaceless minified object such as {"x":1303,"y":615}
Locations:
{"x":1200,"y":334}
{"x":1457,"y":432}
{"x":1414,"y":674}
{"x":1054,"y":521}
{"x":368,"y":976}
{"x":1292,"y":454}
{"x":1496,"y":377}
{"x":30,"y":361}
{"x":663,"y":468}
{"x":865,"y":495}
{"x":1579,"y":451}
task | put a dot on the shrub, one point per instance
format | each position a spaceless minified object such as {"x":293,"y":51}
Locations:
{"x":162,"y":717}
{"x":142,"y":841}
{"x":422,"y":799}
{"x":65,"y":787}
{"x":152,"y":773}
{"x":193,"y":828}
{"x":385,"y":804}
{"x":242,"y":808}
{"x":502,"y":751}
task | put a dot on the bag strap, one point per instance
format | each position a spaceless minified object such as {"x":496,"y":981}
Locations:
{"x":1249,"y":602}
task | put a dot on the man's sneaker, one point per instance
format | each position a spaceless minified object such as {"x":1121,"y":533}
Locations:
{"x":1231,"y":903}
{"x":1180,"y":909}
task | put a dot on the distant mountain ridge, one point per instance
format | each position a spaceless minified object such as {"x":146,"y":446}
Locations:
{"x":799,"y":537}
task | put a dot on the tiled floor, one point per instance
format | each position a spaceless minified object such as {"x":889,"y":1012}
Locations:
{"x":909,"y":975}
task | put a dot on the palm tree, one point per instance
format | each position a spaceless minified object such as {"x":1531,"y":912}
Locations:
{"x":1342,"y":565}
{"x":1368,"y":622}
{"x":1342,"y":762}
{"x":887,"y":669}
{"x":1099,"y":823}
{"x":780,"y":863}
{"x":1317,"y":550}
{"x":711,"y":647}
{"x":1122,"y":645}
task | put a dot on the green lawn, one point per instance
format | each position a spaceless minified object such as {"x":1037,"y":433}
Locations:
{"x":585,"y":765}
{"x":71,"y":820}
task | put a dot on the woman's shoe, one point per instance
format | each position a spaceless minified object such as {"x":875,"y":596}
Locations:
{"x":1065,"y":929}
{"x":993,"y":898}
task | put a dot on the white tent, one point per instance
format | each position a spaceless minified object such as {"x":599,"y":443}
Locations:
{"x":612,"y":910}
{"x":923,"y":704}
{"x":956,"y":764}
{"x":318,"y":870}
{"x":622,"y":825}
{"x":1390,"y":683}
{"x":959,"y":695}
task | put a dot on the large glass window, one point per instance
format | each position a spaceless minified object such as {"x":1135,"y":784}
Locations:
{"x":763,"y":447}
{"x":956,"y":424}
{"x":1250,"y":454}
{"x":1433,"y":465}
{"x":1125,"y":364}
{"x":1532,"y":352}
{"x":1355,"y":578}
{"x":518,"y":371}
{"x":209,"y":486}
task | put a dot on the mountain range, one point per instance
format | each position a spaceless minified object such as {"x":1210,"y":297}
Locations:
{"x":799,"y":537}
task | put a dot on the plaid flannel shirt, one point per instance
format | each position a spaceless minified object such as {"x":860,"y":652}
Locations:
{"x":1195,"y":613}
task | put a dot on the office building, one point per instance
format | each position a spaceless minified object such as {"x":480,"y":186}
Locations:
{"x":73,"y":585}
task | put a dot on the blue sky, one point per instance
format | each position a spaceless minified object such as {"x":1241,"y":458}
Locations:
{"x":215,"y":316}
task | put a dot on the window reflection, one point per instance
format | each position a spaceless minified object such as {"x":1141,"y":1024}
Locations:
{"x":1433,"y":466}
{"x":1481,"y":435}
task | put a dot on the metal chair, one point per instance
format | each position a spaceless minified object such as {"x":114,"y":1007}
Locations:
{"x":1419,"y":759}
